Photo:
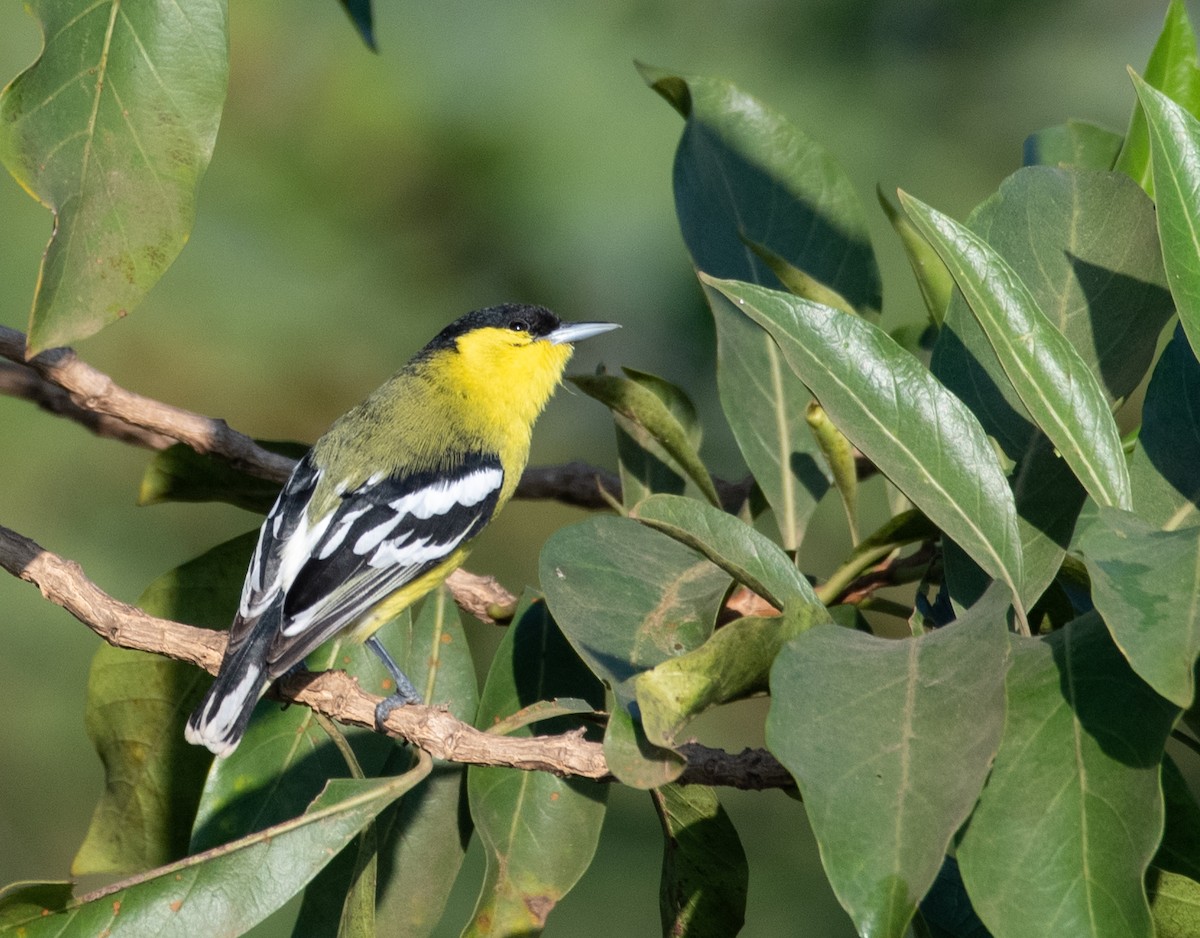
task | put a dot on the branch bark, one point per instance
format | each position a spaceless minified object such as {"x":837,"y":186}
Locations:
{"x":338,"y":696}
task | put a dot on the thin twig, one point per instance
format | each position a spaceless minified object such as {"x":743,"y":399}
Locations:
{"x":338,"y":696}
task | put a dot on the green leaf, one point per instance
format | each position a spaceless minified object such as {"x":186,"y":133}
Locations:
{"x":1157,"y":628}
{"x":539,"y":832}
{"x":744,"y":173}
{"x":27,"y":901}
{"x":422,"y":838}
{"x":890,"y":742}
{"x":1074,"y":143}
{"x":797,"y":281}
{"x":1085,"y":734}
{"x":746,"y":555}
{"x":1085,"y":245}
{"x":634,"y":401}
{"x":1172,"y":69}
{"x":363,"y":19}
{"x":1166,"y":489}
{"x":933,"y":279}
{"x":180,"y":474}
{"x":1175,"y":144}
{"x":229,"y":889}
{"x":645,"y":466}
{"x":765,"y":405}
{"x":628,"y":598}
{"x":1053,"y":381}
{"x":136,"y":708}
{"x":1179,"y":850}
{"x":918,"y":434}
{"x":286,"y":757}
{"x":111,"y":129}
{"x":704,"y":874}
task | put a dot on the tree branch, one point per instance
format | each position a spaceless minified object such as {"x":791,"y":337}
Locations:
{"x":338,"y":696}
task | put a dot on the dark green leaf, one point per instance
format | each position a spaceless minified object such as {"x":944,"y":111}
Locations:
{"x":137,"y":706}
{"x":890,"y":742}
{"x":704,"y":874}
{"x":744,"y":173}
{"x":1086,"y":734}
{"x":1166,"y":488}
{"x":1054,"y":383}
{"x":634,"y":401}
{"x":112,"y":129}
{"x":1175,"y":144}
{"x":180,"y":474}
{"x":285,"y":758}
{"x":1179,"y":850}
{"x":363,"y":19}
{"x":227,"y":890}
{"x":628,"y":597}
{"x":891,"y":408}
{"x":765,"y":405}
{"x":1074,"y":143}
{"x":1157,"y":628}
{"x":746,"y":555}
{"x":23,"y":902}
{"x":629,"y":752}
{"x":539,"y":832}
{"x":1172,"y":69}
{"x":1085,"y":246}
{"x":423,"y":837}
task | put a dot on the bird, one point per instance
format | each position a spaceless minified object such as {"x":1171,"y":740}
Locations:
{"x":386,"y":504}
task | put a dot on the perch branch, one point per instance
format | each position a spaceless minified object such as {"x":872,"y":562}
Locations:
{"x":338,"y":696}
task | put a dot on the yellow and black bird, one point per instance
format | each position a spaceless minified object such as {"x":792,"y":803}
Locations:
{"x":385,"y":505}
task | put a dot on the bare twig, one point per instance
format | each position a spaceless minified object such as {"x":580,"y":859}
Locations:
{"x":338,"y":696}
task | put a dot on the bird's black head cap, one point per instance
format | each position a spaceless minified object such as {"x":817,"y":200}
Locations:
{"x":536,"y":320}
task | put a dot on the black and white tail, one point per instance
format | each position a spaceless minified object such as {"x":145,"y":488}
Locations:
{"x":224,"y":713}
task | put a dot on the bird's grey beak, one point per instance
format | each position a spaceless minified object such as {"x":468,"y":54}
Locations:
{"x":574,"y":331}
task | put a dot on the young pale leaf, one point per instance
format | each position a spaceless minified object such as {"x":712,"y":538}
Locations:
{"x":27,"y":901}
{"x":1086,"y":246}
{"x":539,"y":832}
{"x":634,"y":401}
{"x":111,"y":129}
{"x":733,"y":663}
{"x":629,"y":752}
{"x":1083,"y":730}
{"x":227,"y":890}
{"x":704,"y":873}
{"x":1175,"y":145}
{"x":890,"y":742}
{"x":1173,"y":69}
{"x":1158,"y":629}
{"x":746,"y":555}
{"x":644,"y":465}
{"x":918,"y":433}
{"x":1074,"y":143}
{"x":1166,"y":488}
{"x":1174,"y":905}
{"x":839,"y":455}
{"x":934,"y":280}
{"x":1053,"y":381}
{"x":136,"y":708}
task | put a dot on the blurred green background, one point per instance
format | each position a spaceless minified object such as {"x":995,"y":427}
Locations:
{"x":490,"y":152}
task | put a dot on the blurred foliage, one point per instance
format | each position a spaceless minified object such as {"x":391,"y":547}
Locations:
{"x":492,"y":151}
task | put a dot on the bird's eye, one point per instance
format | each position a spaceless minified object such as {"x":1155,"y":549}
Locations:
{"x":518,"y":326}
